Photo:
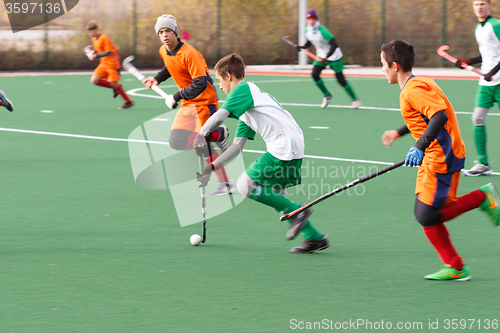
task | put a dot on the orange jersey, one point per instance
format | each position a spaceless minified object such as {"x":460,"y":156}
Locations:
{"x":102,"y":43}
{"x":420,"y":99}
{"x":185,"y":65}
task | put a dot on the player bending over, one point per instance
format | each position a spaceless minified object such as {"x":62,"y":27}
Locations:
{"x":189,"y":70}
{"x":266,"y":179}
{"x":5,"y":102}
{"x":439,"y":153}
{"x":107,"y":73}
{"x":327,"y":49}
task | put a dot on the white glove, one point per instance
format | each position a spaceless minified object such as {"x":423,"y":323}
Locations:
{"x":171,"y":102}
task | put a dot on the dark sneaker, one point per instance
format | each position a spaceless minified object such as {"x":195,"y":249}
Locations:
{"x":297,"y":223}
{"x":126,"y":105}
{"x":326,"y":101}
{"x":310,"y":246}
{"x":8,"y":104}
{"x":223,"y":189}
{"x":223,"y":145}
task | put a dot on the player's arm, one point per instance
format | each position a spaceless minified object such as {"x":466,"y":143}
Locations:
{"x":196,"y":87}
{"x":434,"y":126}
{"x":490,"y":74}
{"x":305,"y":46}
{"x":333,"y":47}
{"x":468,"y":61}
{"x":200,"y":143}
{"x":392,"y":135}
{"x":103,"y":54}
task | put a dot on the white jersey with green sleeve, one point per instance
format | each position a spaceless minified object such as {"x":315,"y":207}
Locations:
{"x":260,"y":112}
{"x":488,"y":39}
{"x":320,"y":37}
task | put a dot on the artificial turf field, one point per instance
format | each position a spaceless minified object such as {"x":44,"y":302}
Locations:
{"x":84,"y":249}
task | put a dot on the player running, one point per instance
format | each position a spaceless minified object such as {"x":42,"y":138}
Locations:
{"x":189,"y":70}
{"x":5,"y":102}
{"x":266,"y":179}
{"x":107,"y":73}
{"x":327,"y":49}
{"x":488,"y":38}
{"x":440,"y":155}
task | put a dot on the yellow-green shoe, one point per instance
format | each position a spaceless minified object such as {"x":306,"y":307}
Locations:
{"x":490,"y":204}
{"x":450,"y":273}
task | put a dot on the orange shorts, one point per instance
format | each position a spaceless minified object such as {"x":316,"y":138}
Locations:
{"x":436,"y":189}
{"x":192,"y":117}
{"x":107,"y":73}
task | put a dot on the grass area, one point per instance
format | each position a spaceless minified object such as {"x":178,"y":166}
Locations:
{"x":84,"y":249}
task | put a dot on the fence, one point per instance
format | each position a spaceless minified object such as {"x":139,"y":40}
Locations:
{"x":251,"y":28}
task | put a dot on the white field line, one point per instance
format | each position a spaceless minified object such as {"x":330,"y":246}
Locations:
{"x":79,"y":136}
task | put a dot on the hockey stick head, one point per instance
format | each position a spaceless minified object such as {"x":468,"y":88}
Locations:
{"x":442,"y":50}
{"x":285,"y":38}
{"x":127,"y":62}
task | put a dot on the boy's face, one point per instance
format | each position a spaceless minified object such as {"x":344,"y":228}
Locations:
{"x":93,"y":33}
{"x":311,"y":21}
{"x":390,"y":71}
{"x":167,"y":36}
{"x":224,"y":82}
{"x":481,"y":9}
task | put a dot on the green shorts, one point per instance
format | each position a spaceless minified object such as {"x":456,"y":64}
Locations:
{"x":337,"y":66}
{"x":270,"y":171}
{"x":486,"y":96}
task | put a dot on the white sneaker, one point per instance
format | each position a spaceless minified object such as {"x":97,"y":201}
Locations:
{"x":326,"y":101}
{"x":8,"y":104}
{"x":479,"y":169}
{"x":223,"y":189}
{"x":356,"y":104}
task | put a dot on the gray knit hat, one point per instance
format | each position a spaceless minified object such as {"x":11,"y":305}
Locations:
{"x":166,"y":22}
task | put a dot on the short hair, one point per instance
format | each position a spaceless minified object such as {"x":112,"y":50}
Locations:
{"x":91,"y":25}
{"x":401,"y":52}
{"x":232,"y":64}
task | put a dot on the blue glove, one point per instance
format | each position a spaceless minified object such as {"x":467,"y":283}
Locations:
{"x":414,"y":157}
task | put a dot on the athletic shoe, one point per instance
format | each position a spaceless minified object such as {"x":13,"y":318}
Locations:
{"x":356,"y":104}
{"x":479,"y":169}
{"x":326,"y":101}
{"x":450,"y":273}
{"x":310,"y":246}
{"x":223,"y":145}
{"x":223,"y":189}
{"x":126,"y":105}
{"x":490,"y":204}
{"x":298,"y":222}
{"x":8,"y":104}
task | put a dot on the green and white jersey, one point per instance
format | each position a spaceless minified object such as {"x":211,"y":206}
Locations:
{"x":260,"y":113}
{"x":320,"y":37}
{"x":488,"y":39}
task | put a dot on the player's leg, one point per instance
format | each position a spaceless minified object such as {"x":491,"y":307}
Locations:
{"x":485,"y":98}
{"x":219,"y":137}
{"x":338,"y":66}
{"x":5,"y":102}
{"x":114,"y":77}
{"x":265,"y":180}
{"x":99,"y":77}
{"x":316,"y":75}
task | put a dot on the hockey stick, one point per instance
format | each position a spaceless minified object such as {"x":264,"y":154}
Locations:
{"x":442,"y":52}
{"x":340,"y":189}
{"x":127,"y":65}
{"x":203,"y":202}
{"x":285,"y":38}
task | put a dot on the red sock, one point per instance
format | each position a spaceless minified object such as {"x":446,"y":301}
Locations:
{"x":463,"y":204}
{"x":439,"y":237}
{"x":1,"y":102}
{"x":123,"y":94}
{"x":214,"y":136}
{"x":104,"y":83}
{"x":220,"y":174}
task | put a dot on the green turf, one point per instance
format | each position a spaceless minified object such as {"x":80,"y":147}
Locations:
{"x":83,"y":249}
